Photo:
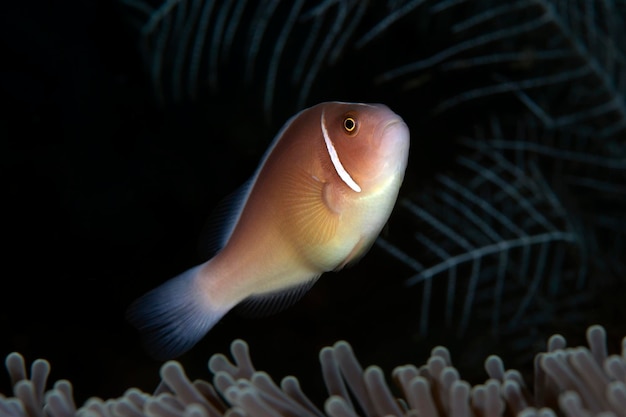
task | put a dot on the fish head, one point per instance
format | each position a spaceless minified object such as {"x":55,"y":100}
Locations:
{"x":368,"y":144}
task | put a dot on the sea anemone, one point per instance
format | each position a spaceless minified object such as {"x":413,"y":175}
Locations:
{"x":572,"y":382}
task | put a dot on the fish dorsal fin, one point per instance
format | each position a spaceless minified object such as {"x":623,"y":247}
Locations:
{"x":309,"y":205}
{"x":222,"y":220}
{"x":221,"y":223}
{"x":267,"y":304}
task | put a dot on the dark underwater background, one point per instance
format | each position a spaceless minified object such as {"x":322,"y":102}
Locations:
{"x":116,"y":141}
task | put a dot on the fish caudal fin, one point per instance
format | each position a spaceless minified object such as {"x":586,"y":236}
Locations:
{"x":174,"y":316}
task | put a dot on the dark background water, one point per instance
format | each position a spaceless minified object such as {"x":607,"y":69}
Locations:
{"x":105,"y":195}
{"x":106,"y":192}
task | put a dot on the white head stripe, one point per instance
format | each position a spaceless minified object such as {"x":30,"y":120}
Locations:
{"x":343,"y":174}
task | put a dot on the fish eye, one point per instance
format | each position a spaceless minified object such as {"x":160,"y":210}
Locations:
{"x":349,"y":125}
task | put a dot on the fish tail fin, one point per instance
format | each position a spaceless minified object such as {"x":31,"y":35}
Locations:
{"x":174,"y":316}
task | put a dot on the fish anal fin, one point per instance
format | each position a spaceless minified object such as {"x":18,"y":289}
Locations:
{"x":308,"y":216}
{"x":261,"y":305}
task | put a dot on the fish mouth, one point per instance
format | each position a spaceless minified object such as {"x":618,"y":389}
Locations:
{"x":391,"y":124}
{"x":394,"y":135}
{"x":393,"y":147}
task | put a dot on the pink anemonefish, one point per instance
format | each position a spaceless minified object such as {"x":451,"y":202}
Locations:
{"x":318,"y":200}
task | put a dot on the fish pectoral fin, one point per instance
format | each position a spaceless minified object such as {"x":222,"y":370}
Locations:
{"x":261,"y":305}
{"x":309,"y":217}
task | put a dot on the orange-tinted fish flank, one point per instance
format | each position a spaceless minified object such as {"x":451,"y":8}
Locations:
{"x":317,"y":202}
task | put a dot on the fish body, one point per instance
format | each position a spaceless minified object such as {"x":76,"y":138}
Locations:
{"x":321,"y":195}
